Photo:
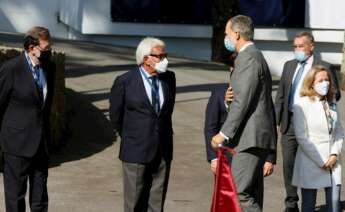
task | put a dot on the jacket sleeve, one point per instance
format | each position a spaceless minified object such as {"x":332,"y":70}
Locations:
{"x":6,"y":83}
{"x":211,"y":126}
{"x":117,"y":98}
{"x":279,"y":101}
{"x":301,"y":132}
{"x":338,"y":138}
{"x":245,"y":85}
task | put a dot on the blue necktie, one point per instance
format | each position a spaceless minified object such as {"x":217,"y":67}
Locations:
{"x":295,"y":84}
{"x":155,"y":94}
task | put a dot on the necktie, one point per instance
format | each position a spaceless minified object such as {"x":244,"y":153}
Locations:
{"x":295,"y":84}
{"x":39,"y":85}
{"x":155,"y":94}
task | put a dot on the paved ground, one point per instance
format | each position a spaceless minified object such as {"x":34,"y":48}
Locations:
{"x":86,"y":175}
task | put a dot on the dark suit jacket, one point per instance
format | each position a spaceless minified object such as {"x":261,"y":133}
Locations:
{"x":143,"y":132}
{"x":282,"y":98}
{"x":26,"y":119}
{"x":216,"y":114}
{"x":251,"y":121}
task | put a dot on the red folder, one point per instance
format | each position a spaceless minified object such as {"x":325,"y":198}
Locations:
{"x":225,"y":195}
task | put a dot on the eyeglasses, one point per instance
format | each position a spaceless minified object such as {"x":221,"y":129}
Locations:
{"x":160,"y":56}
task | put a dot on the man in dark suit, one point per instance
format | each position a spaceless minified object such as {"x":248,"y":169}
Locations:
{"x":141,"y":106}
{"x":292,"y":77}
{"x":215,"y":116}
{"x":250,"y":123}
{"x":26,"y":94}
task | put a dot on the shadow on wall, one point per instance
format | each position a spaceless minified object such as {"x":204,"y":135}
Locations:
{"x":90,"y":132}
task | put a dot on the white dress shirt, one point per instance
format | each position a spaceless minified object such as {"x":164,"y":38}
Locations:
{"x":146,"y":76}
{"x":307,"y":67}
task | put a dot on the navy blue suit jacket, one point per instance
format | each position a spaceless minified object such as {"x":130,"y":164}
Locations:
{"x":216,"y":114}
{"x":25,"y":120}
{"x":144,"y":133}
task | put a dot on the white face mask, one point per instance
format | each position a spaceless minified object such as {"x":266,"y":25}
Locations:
{"x":322,"y":88}
{"x":162,"y":66}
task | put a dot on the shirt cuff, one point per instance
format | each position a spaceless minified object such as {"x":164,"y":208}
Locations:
{"x":214,"y":159}
{"x":222,"y":134}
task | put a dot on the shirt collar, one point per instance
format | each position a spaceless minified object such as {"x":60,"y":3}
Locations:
{"x":245,"y":46}
{"x":147,"y":75}
{"x":30,"y":61}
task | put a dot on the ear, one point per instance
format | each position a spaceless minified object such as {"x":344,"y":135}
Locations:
{"x":237,"y":35}
{"x":31,"y":47}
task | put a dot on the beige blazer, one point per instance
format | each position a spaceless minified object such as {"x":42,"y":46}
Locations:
{"x":315,"y":145}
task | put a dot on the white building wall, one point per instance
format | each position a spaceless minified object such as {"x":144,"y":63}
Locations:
{"x":91,"y":20}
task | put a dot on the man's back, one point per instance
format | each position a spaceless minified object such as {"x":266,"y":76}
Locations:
{"x":251,"y":111}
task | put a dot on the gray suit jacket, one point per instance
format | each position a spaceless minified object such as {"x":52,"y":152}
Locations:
{"x":251,"y":118}
{"x":282,"y":98}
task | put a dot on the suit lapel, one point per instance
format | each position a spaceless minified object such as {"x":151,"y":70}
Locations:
{"x":27,"y":73}
{"x":291,"y":72}
{"x":165,"y":89}
{"x":142,"y":90}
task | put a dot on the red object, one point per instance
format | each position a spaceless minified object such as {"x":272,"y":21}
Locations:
{"x":225,"y":195}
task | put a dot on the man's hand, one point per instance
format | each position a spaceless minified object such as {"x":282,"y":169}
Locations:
{"x":268,"y":168}
{"x":332,"y":160}
{"x":229,"y":95}
{"x":213,"y":166}
{"x":216,"y":140}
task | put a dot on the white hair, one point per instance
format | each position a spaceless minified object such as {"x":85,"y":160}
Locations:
{"x":145,"y":47}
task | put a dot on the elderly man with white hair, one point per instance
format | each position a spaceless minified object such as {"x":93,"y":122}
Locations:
{"x":141,"y":105}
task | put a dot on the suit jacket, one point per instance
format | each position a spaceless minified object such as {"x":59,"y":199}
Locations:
{"x":250,"y":121}
{"x":315,"y":144}
{"x":25,"y":122}
{"x":143,"y":132}
{"x":282,"y":98}
{"x":216,"y":114}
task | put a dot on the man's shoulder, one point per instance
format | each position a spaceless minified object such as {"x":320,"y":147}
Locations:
{"x":128,"y":75}
{"x":318,"y":61}
{"x":290,"y":62}
{"x":12,"y":64}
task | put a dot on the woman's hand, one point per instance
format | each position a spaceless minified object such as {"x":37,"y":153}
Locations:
{"x":332,"y":160}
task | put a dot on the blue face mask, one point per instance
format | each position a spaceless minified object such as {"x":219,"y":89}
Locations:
{"x":229,"y":45}
{"x":300,"y":56}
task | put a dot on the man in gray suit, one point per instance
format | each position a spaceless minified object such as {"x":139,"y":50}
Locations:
{"x":292,"y":77}
{"x":250,"y":124}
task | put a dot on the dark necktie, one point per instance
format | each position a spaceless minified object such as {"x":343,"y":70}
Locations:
{"x":295,"y":84}
{"x":155,"y":94}
{"x":38,"y":83}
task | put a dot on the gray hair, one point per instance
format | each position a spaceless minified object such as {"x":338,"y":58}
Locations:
{"x":244,"y":25}
{"x":307,"y":35}
{"x":145,"y":47}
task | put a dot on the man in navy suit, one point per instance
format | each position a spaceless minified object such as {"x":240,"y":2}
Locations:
{"x":26,"y":86}
{"x":141,"y":105}
{"x":216,"y":113}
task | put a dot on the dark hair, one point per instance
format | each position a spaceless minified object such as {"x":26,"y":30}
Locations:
{"x":244,"y":25}
{"x":33,"y":36}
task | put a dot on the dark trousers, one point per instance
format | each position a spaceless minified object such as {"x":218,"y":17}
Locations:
{"x":145,"y":185}
{"x":289,"y":149}
{"x":247,"y":170}
{"x":17,"y":171}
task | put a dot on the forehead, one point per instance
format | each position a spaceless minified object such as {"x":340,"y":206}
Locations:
{"x":301,"y":39}
{"x":321,"y":74}
{"x":158,"y":49}
{"x":228,"y":26}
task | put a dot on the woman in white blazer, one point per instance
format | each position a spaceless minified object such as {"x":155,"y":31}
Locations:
{"x":320,"y":137}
